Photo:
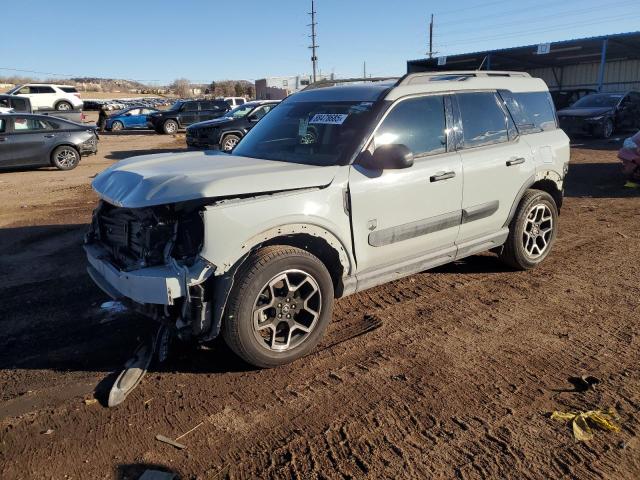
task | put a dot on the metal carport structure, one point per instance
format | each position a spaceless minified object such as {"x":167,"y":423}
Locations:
{"x":606,"y":63}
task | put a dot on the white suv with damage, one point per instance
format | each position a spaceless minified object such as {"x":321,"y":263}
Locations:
{"x":336,"y":190}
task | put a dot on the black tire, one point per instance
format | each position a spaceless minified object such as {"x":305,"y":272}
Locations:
{"x":229,"y":142}
{"x":264,"y":266}
{"x":64,"y":106}
{"x":607,"y":129}
{"x":65,"y":157}
{"x":522,"y":250}
{"x":117,"y":125}
{"x":170,"y":127}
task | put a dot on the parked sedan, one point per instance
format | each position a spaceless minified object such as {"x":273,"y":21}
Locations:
{"x":38,"y":140}
{"x":225,"y":132}
{"x":133,"y":117}
{"x":600,"y":114}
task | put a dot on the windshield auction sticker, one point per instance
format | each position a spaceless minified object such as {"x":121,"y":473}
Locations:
{"x":329,"y":118}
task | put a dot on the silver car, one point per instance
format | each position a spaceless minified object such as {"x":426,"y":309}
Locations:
{"x":334,"y":191}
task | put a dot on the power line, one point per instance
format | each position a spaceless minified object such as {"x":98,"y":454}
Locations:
{"x":72,"y":75}
{"x":537,"y":7}
{"x":538,"y":30}
{"x":471,"y":7}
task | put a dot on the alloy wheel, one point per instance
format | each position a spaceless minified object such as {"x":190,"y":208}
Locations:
{"x":286,"y":310}
{"x":538,"y":229}
{"x":229,"y":143}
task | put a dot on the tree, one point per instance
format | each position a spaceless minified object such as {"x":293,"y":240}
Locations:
{"x":181,"y":87}
{"x":249,"y":91}
{"x":239,"y":91}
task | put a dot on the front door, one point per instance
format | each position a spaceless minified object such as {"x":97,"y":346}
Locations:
{"x":405,"y":214}
{"x":189,"y":114}
{"x":30,"y":141}
{"x":496,"y":164}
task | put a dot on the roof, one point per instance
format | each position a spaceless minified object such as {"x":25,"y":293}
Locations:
{"x":424,"y":82}
{"x":567,"y":52}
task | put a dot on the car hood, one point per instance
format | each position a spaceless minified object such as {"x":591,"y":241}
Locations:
{"x":211,"y":123}
{"x":177,"y":177}
{"x":584,"y":112}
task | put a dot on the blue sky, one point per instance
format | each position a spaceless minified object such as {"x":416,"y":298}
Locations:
{"x":204,"y":40}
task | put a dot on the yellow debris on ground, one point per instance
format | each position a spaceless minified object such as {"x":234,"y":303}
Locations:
{"x":631,"y":184}
{"x":582,"y":422}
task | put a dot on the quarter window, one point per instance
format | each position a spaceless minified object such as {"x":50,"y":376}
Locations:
{"x":531,"y":111}
{"x":2,"y":125}
{"x":417,"y":123}
{"x":483,"y":120}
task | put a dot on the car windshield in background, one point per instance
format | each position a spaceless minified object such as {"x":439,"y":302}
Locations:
{"x":598,"y":100}
{"x":312,"y":133}
{"x":239,"y":112}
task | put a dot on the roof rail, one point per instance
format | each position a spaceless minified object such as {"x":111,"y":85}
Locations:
{"x":331,"y":83}
{"x":455,"y":75}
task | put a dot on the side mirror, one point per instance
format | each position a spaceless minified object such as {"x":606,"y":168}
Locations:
{"x":390,"y":157}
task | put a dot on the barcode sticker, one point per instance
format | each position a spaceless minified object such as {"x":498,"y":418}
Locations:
{"x":329,"y":118}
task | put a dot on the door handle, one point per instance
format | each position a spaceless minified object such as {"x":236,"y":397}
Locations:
{"x":3,"y":139}
{"x":50,"y":135}
{"x":442,"y":176}
{"x":515,"y":161}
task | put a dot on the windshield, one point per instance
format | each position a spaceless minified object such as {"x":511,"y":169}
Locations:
{"x":239,"y":112}
{"x":312,"y":133}
{"x":598,"y":100}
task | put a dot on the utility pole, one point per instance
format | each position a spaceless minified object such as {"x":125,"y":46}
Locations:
{"x":364,"y":70}
{"x":431,"y":37}
{"x":313,"y":47}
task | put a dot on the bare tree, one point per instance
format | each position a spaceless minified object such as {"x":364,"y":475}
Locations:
{"x":181,"y":87}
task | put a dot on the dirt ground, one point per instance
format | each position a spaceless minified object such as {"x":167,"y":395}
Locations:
{"x":456,"y":381}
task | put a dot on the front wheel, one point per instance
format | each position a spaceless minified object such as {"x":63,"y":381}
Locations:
{"x":279,"y":306}
{"x":532,"y":232}
{"x":607,"y":129}
{"x":229,"y":142}
{"x":170,"y":127}
{"x":65,"y":158}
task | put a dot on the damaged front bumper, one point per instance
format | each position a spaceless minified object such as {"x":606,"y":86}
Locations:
{"x":159,"y":285}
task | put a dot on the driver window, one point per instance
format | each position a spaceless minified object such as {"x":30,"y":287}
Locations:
{"x":135,"y":111}
{"x":483,"y":121}
{"x":259,"y":112}
{"x":417,"y":123}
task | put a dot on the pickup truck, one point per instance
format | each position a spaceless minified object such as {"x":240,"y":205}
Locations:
{"x":18,"y":104}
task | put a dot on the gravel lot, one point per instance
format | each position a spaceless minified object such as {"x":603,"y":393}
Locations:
{"x":456,"y":381}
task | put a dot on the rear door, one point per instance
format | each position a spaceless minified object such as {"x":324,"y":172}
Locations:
{"x":405,"y":214}
{"x":29,"y":142}
{"x":5,"y":143}
{"x":46,"y":96}
{"x":496,"y":163}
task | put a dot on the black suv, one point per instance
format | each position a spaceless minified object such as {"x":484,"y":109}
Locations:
{"x":225,"y":132}
{"x":186,"y":112}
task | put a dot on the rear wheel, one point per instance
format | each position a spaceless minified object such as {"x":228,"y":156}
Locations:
{"x":170,"y":127}
{"x":229,"y":142}
{"x":117,"y":126}
{"x":279,"y":307}
{"x":63,"y":106}
{"x":65,"y":158}
{"x":532,"y":231}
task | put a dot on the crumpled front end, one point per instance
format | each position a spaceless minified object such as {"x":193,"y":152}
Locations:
{"x":149,"y":257}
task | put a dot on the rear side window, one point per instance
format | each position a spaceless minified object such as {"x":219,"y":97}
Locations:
{"x":240,"y":101}
{"x":417,"y":123}
{"x":531,"y":111}
{"x":42,"y":90}
{"x":483,"y":120}
{"x":21,"y":124}
{"x":2,"y":125}
{"x":69,"y":89}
